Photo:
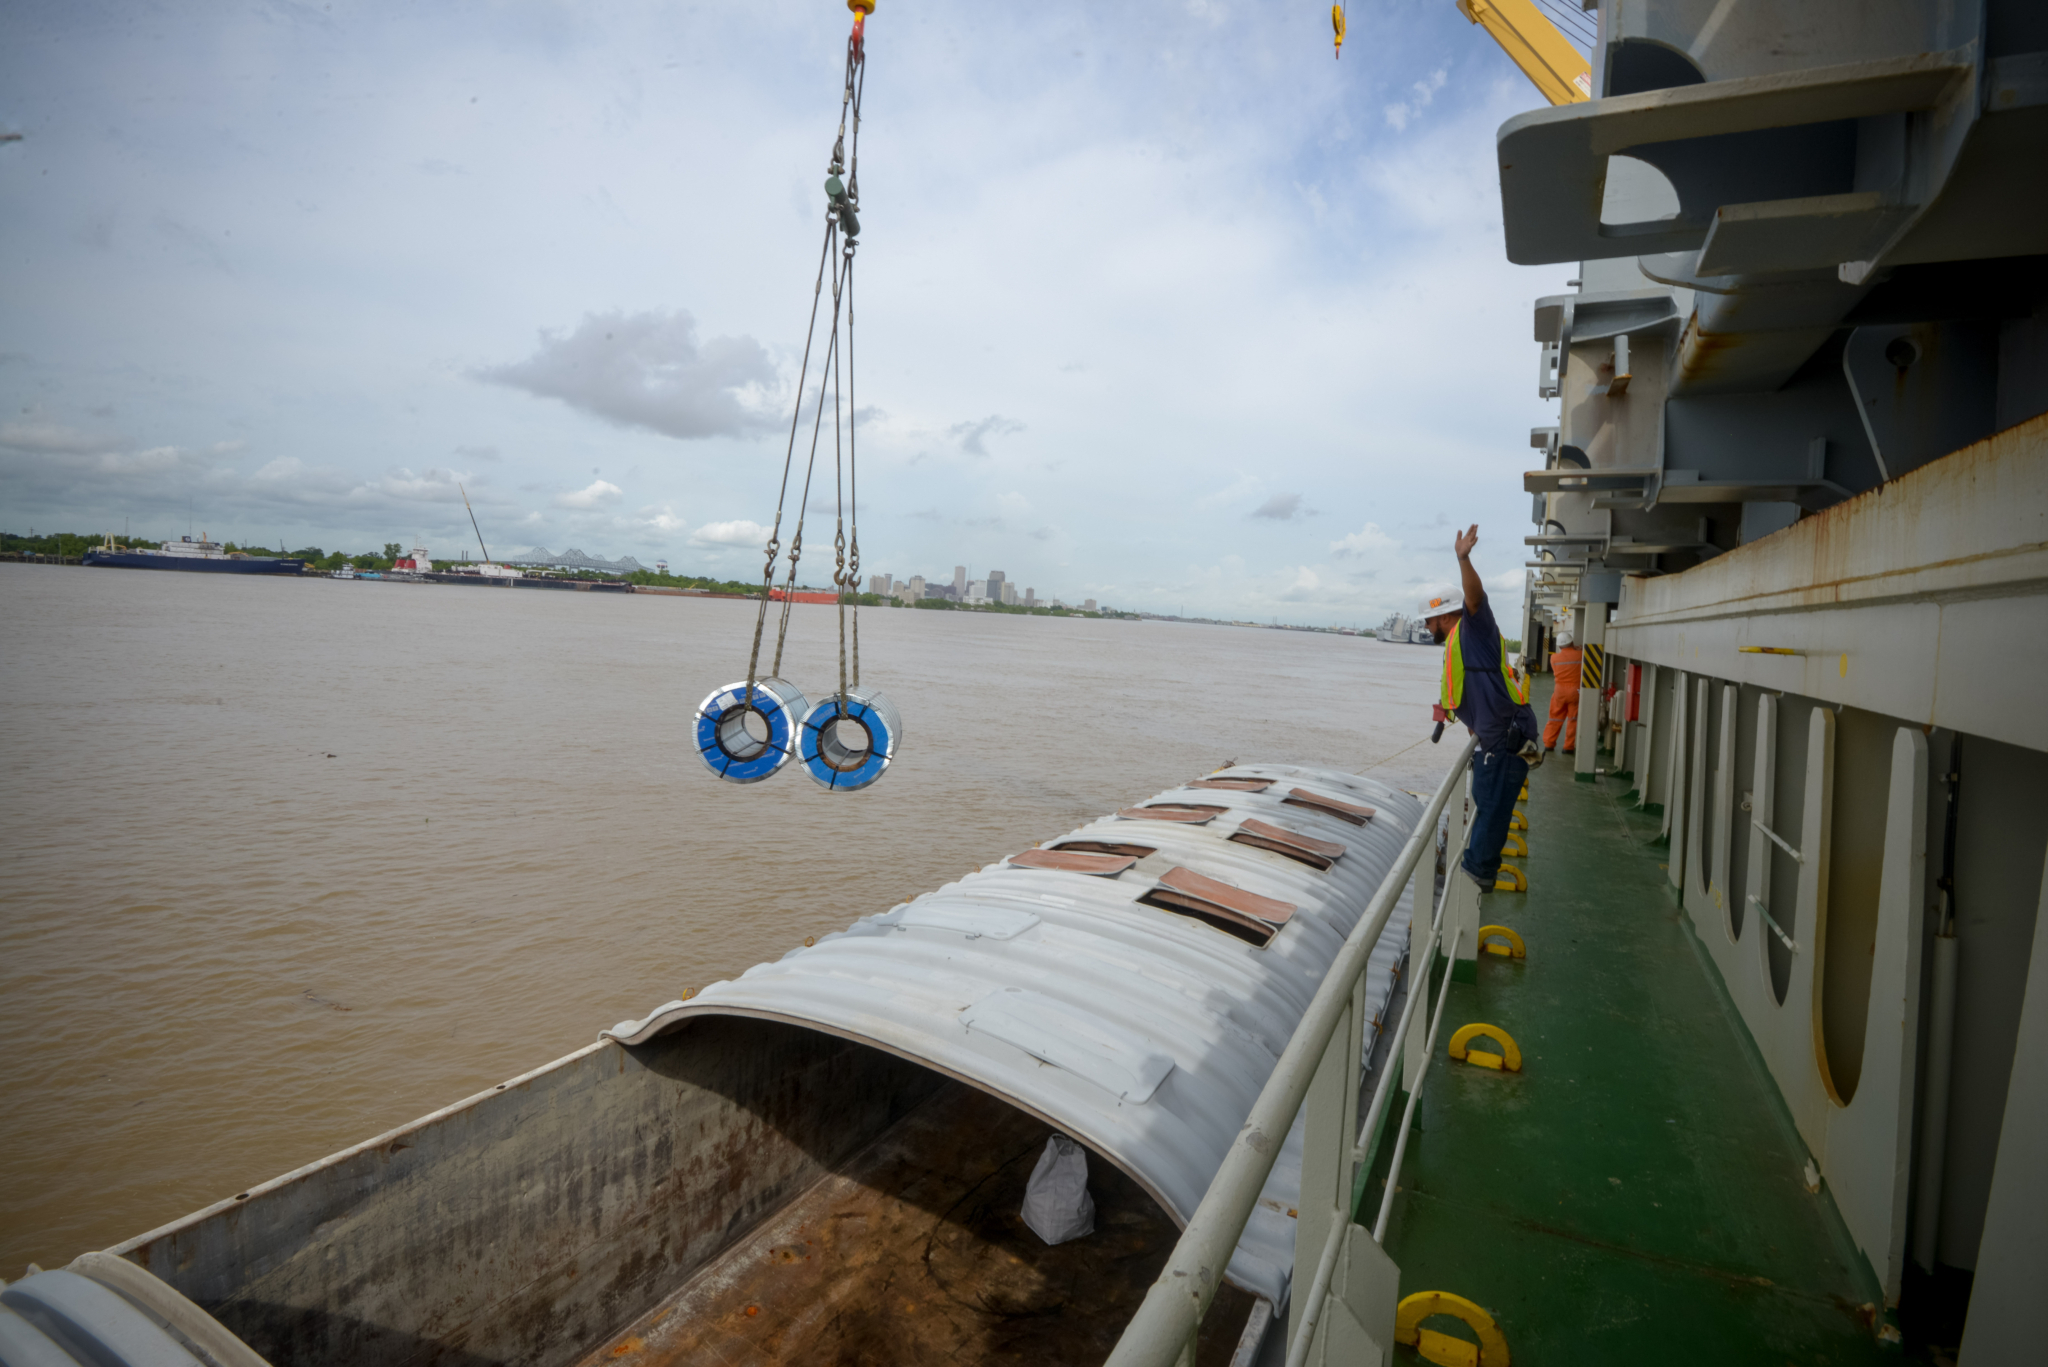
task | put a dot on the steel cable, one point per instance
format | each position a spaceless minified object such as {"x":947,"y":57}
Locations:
{"x":849,"y":104}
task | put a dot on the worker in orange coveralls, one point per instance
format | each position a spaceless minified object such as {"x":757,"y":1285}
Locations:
{"x":1564,"y":698}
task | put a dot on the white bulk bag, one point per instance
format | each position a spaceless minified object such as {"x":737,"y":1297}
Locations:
{"x":1057,"y":1205}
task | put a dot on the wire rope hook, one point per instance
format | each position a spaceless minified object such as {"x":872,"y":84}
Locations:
{"x":749,"y":730}
{"x":849,"y":740}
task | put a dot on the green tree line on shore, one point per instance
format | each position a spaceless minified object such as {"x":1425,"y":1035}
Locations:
{"x":72,"y":545}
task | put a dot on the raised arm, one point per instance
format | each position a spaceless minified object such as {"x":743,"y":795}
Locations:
{"x":1475,"y":592}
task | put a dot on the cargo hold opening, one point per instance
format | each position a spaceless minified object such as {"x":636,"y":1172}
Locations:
{"x":905,"y":1243}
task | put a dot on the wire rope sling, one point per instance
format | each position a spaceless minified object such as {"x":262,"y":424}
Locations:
{"x":750,"y":730}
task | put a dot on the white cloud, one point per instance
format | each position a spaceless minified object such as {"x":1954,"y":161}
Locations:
{"x":1423,"y":93}
{"x":51,"y":438}
{"x":1279,"y":508}
{"x":649,"y":370}
{"x":1367,"y":540}
{"x":736,"y":533}
{"x":973,"y":436}
{"x":593,"y":495}
{"x":659,"y":522}
{"x":1231,"y":494}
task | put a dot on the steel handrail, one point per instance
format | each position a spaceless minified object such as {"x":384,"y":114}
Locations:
{"x":1326,"y":1266}
{"x":1425,"y":956}
{"x":1171,"y":1313}
{"x":1420,"y":959}
{"x":1436,"y":1022}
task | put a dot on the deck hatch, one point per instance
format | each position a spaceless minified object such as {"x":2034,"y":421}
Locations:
{"x":1108,"y":847}
{"x":1246,"y":915}
{"x":1317,"y":854}
{"x":1121,"y":1061}
{"x":998,"y":923}
{"x":1187,"y":813}
{"x":1074,"y":861}
{"x":1330,"y":806}
{"x":1235,"y":785}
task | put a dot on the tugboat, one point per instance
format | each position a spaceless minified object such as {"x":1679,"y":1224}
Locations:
{"x":188,"y":554}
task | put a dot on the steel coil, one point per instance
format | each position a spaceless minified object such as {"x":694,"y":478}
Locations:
{"x":737,"y":754}
{"x":842,"y":762}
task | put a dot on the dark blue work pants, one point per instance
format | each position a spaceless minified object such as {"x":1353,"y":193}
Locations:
{"x":1496,"y":783}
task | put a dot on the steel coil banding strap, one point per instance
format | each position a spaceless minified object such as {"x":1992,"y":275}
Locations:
{"x":827,"y":757}
{"x":724,"y":742}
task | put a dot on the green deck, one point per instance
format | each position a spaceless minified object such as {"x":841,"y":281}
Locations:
{"x":1635,"y":1194}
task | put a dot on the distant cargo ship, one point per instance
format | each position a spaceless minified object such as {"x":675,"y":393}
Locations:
{"x":492,"y":574}
{"x":188,"y":554}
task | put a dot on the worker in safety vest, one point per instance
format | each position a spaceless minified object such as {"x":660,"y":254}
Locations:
{"x":1564,"y":698}
{"x":1482,"y":689}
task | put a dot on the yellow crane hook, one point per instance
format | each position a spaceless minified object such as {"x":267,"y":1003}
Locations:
{"x":1337,"y":23}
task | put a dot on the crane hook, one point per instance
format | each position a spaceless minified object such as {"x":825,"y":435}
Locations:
{"x":1337,"y":23}
{"x":861,"y":10}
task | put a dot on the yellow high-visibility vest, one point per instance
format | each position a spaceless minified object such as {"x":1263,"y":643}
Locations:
{"x":1454,"y":673}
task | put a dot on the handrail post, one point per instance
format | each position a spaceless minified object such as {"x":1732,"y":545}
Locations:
{"x":1171,"y":1313}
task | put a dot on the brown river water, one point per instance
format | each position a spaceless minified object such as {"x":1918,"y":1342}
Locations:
{"x":288,"y":863}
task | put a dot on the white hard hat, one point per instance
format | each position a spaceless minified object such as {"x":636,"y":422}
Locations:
{"x":1440,"y":604}
{"x":1564,"y":638}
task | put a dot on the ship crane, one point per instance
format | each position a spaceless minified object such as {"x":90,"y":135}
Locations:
{"x":1531,"y":42}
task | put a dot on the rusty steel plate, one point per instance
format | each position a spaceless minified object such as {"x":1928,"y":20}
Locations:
{"x":1306,"y":848}
{"x":1348,"y":811}
{"x":1074,"y":861}
{"x":1245,"y":915}
{"x":1235,"y":785}
{"x":1108,"y":847}
{"x":1186,"y":813}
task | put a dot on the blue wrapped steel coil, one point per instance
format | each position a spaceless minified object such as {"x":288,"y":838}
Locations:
{"x":836,"y":761}
{"x":734,"y":753}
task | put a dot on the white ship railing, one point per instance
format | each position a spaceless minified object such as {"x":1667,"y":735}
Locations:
{"x":1163,"y":1331}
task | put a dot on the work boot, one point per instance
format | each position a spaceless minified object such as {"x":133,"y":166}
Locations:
{"x":1484,"y":885}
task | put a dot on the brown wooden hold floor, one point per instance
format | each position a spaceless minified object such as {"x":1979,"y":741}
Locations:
{"x":915,"y":1254}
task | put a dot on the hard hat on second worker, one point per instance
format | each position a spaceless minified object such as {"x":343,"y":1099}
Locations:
{"x":1564,"y":638}
{"x":1441,"y":604}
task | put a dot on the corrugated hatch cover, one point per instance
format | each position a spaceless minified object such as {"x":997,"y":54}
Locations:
{"x":1142,"y":1032}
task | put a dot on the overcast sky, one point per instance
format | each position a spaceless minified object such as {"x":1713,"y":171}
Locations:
{"x":1159,"y":304}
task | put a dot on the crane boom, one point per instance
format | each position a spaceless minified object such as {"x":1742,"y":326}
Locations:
{"x":1534,"y":44}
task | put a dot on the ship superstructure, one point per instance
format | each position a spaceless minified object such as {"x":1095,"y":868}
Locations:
{"x":1795,"y":509}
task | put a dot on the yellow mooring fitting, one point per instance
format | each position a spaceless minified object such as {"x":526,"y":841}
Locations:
{"x":1513,"y":949}
{"x":1519,"y":821}
{"x":1510,"y":879}
{"x":1525,"y":794}
{"x":1442,"y":1349}
{"x":1479,"y":1058}
{"x":1516,"y":846}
